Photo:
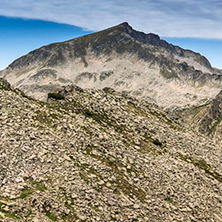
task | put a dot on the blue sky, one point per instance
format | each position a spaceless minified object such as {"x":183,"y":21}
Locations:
{"x":20,"y":36}
{"x":28,"y":24}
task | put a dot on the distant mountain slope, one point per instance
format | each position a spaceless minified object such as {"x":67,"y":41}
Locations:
{"x":124,"y":59}
{"x":207,"y":119}
{"x":98,"y":155}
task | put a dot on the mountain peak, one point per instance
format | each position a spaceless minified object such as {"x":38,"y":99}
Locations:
{"x":118,"y":57}
{"x":125,"y":24}
{"x":123,"y":27}
{"x":142,"y":37}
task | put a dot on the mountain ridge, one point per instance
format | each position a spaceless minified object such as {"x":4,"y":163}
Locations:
{"x":121,"y":58}
{"x":150,"y":38}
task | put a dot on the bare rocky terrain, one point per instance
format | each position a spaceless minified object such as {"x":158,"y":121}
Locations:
{"x":101,"y":155}
{"x":124,"y":59}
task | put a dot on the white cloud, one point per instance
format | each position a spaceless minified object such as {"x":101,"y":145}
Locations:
{"x":175,"y":18}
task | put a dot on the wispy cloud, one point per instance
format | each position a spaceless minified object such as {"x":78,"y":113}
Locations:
{"x":175,"y":18}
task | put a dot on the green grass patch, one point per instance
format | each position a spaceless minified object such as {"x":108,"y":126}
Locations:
{"x":26,"y":192}
{"x":157,"y":142}
{"x":203,"y":165}
{"x":55,"y":96}
{"x":34,"y":186}
{"x":51,"y":216}
{"x":169,"y":200}
{"x":46,"y":119}
{"x":152,"y":145}
{"x":8,"y":214}
{"x":38,"y":185}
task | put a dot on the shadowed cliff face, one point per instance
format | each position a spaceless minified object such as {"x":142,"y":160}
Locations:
{"x":207,"y":119}
{"x":120,"y":57}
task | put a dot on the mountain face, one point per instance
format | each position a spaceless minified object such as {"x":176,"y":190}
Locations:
{"x":129,"y":61}
{"x":206,"y":118}
{"x":100,"y":155}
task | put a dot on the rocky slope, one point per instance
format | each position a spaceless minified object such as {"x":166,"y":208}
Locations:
{"x":99,"y":155}
{"x":120,"y":57}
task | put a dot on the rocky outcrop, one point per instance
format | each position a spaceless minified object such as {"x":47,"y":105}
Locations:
{"x":207,"y":118}
{"x":4,"y":84}
{"x":212,"y":116}
{"x":122,"y":58}
{"x":100,"y":155}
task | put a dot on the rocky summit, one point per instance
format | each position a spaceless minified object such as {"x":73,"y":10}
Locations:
{"x":124,"y":59}
{"x":102,"y":155}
